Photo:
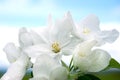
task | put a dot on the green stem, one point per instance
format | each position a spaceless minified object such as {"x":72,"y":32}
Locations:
{"x":31,"y":74}
{"x":75,"y":75}
{"x":71,"y":68}
{"x":65,"y":65}
{"x":71,"y":63}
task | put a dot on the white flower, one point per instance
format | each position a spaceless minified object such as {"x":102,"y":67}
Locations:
{"x":88,"y":29}
{"x":56,"y":39}
{"x":28,"y":38}
{"x":47,"y":68}
{"x":25,"y":38}
{"x":12,"y":52}
{"x":17,"y":70}
{"x":88,"y":60}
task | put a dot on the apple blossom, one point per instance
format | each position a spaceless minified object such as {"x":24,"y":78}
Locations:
{"x":56,"y":39}
{"x":61,"y":38}
{"x":88,"y":60}
{"x":12,"y":52}
{"x":88,"y":28}
{"x":47,"y":68}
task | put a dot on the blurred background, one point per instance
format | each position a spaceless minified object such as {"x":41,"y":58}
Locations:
{"x":15,"y":14}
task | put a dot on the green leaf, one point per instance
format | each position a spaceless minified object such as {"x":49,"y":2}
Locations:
{"x":114,"y":64}
{"x":88,"y":77}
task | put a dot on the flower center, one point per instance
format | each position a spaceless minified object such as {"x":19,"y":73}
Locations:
{"x":56,"y":47}
{"x":81,"y":54}
{"x":86,"y":31}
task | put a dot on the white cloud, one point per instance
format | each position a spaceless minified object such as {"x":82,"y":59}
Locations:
{"x":110,"y":25}
{"x":7,"y":34}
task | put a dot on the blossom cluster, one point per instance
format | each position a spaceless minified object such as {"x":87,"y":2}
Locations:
{"x":61,"y":38}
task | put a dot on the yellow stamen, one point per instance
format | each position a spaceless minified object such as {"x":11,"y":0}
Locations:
{"x":86,"y":31}
{"x":81,"y":54}
{"x":55,"y":47}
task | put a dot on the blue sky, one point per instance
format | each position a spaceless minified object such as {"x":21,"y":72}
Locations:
{"x":30,"y":13}
{"x":33,"y":13}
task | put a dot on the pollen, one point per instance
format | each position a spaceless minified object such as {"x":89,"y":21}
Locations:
{"x":56,"y":47}
{"x":81,"y":54}
{"x":86,"y":31}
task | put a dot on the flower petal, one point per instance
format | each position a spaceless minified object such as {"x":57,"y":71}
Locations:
{"x":87,"y":27}
{"x":59,"y":73}
{"x":31,"y":38}
{"x":109,"y":36}
{"x":66,"y":51}
{"x":69,"y":47}
{"x":91,"y":22}
{"x":43,"y":65}
{"x":81,"y":55}
{"x":36,"y":50}
{"x":85,"y":47}
{"x":82,"y":63}
{"x":39,"y":78}
{"x":61,"y":30}
{"x":25,"y":38}
{"x":50,"y":21}
{"x":17,"y":70}
{"x":12,"y":52}
{"x":90,"y":61}
{"x":37,"y":39}
{"x":100,"y":60}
